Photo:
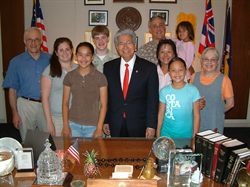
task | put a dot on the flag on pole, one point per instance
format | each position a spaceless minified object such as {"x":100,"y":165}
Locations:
{"x":207,"y":35}
{"x":37,"y":21}
{"x":74,"y":152}
{"x":227,"y":53}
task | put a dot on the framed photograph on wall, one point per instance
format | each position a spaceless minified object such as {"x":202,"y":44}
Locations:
{"x":162,"y":1}
{"x":88,"y":38}
{"x":94,"y":2}
{"x":163,"y":13}
{"x":148,"y":36}
{"x":128,"y":1}
{"x":136,"y":48}
{"x":98,"y":17}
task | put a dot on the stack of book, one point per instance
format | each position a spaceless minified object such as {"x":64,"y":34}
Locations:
{"x":222,"y":156}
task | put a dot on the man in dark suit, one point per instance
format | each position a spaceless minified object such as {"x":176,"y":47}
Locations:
{"x":132,"y":91}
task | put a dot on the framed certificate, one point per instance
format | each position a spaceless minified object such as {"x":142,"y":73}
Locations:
{"x":25,"y":159}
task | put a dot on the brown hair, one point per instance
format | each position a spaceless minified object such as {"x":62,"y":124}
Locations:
{"x":188,"y":26}
{"x":177,"y":59}
{"x":86,"y":44}
{"x":55,"y":66}
{"x":100,"y":29}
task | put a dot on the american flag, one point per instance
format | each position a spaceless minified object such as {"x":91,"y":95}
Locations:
{"x":37,"y":21}
{"x":207,"y":35}
{"x":73,"y":151}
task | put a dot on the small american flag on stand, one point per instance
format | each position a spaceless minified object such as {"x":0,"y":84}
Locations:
{"x":73,"y":151}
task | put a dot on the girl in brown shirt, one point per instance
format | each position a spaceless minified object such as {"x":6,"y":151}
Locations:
{"x":88,"y":87}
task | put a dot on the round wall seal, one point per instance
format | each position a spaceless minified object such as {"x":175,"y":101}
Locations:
{"x":128,"y":17}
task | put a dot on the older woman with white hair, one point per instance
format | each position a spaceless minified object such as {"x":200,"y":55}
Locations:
{"x":217,"y":89}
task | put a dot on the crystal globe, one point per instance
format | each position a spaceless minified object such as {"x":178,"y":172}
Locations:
{"x":162,"y":146}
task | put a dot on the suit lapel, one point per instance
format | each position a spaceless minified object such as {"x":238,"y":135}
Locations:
{"x":117,"y":76}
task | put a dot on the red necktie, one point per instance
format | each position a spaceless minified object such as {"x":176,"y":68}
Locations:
{"x":125,"y":81}
{"x":125,"y":84}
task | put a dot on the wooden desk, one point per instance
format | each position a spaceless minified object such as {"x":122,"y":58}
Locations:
{"x":108,"y":148}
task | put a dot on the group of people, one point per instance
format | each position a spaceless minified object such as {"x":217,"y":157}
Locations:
{"x":131,"y":95}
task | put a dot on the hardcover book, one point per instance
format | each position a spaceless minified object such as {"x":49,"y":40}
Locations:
{"x":210,"y":153}
{"x":204,"y":146}
{"x":231,"y":162}
{"x":198,"y":139}
{"x":225,"y":151}
{"x":216,"y":154}
{"x":239,"y":161}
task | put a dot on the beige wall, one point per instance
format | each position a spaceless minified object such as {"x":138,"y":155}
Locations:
{"x":70,"y":18}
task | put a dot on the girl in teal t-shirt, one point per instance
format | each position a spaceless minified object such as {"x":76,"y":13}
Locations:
{"x":179,"y":114}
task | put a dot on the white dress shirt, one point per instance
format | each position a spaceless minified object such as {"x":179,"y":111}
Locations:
{"x":123,"y":68}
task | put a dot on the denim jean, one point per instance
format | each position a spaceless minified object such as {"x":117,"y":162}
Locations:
{"x":81,"y":130}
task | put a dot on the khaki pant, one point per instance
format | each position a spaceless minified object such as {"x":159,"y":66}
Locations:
{"x":32,"y":116}
{"x":58,"y":123}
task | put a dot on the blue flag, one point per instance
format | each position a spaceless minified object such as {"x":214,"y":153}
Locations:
{"x":33,"y":21}
{"x":226,"y":67}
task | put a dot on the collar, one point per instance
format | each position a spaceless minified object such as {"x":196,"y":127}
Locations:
{"x":159,"y":70}
{"x":92,"y":71}
{"x":103,"y":55}
{"x":131,"y":62}
{"x":108,"y":53}
{"x":153,"y":42}
{"x":27,"y":55}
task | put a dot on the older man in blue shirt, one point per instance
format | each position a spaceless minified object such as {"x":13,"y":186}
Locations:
{"x":23,"y":80}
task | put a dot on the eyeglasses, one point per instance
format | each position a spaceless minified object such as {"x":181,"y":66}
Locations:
{"x":30,"y":40}
{"x":128,"y":43}
{"x":212,"y":60}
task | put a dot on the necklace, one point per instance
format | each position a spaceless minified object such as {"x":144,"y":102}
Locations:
{"x":122,"y":160}
{"x":113,"y":165}
{"x":115,"y":160}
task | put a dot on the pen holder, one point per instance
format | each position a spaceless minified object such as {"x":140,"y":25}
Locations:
{"x":62,"y":155}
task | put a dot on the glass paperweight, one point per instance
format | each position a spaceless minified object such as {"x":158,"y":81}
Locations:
{"x":184,"y":168}
{"x":161,"y":147}
{"x":49,"y":171}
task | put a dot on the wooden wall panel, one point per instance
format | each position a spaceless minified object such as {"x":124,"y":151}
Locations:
{"x":12,"y":29}
{"x":240,"y":31}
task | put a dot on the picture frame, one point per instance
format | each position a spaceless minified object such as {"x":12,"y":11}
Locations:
{"x":88,"y":38}
{"x":148,"y":36}
{"x":94,"y":2}
{"x":98,"y":17}
{"x":25,"y":158}
{"x":162,"y":1}
{"x":128,"y":1}
{"x":136,"y":48}
{"x":163,"y":13}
